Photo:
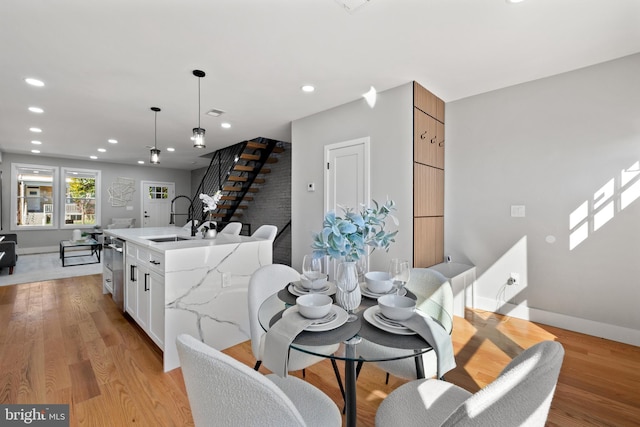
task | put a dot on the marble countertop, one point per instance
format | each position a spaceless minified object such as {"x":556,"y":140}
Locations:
{"x":142,"y":236}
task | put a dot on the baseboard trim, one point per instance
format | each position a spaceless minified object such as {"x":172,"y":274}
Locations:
{"x":576,"y":324}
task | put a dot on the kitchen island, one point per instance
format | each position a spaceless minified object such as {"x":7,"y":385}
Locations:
{"x":175,"y":283}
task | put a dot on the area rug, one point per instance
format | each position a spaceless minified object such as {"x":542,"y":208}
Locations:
{"x":41,"y":267}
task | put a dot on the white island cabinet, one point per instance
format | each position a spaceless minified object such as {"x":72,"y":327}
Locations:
{"x":144,"y":290}
{"x":195,"y":286}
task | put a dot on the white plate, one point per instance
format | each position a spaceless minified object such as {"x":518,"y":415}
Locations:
{"x":367,"y":293}
{"x":340,"y":319}
{"x":369,"y":315}
{"x":299,"y":291}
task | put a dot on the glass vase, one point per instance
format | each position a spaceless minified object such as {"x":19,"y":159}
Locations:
{"x":348,"y":294}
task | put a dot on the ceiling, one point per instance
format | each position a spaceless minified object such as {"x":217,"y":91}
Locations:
{"x":105,"y":64}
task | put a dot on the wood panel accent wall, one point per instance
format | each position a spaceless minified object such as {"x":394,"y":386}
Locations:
{"x":428,"y":178}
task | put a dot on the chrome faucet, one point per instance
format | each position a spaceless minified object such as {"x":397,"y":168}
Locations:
{"x":190,"y":216}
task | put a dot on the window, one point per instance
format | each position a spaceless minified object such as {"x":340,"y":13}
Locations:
{"x":158,"y":193}
{"x":81,"y":198}
{"x":33,"y":195}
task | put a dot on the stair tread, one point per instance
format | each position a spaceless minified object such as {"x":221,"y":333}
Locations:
{"x":243,"y":168}
{"x":247,"y":156}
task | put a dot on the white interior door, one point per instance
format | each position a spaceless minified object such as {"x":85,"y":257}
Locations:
{"x":347,"y":176}
{"x":156,"y":203}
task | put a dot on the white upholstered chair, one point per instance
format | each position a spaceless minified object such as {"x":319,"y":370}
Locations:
{"x":435,"y":299}
{"x":232,"y":228}
{"x":225,"y":392}
{"x":264,"y":282}
{"x":267,"y":232}
{"x":520,"y":396}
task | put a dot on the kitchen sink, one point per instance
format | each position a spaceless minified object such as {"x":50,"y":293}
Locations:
{"x":168,"y":239}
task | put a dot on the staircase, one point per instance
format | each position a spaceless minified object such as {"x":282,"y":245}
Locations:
{"x":238,"y":171}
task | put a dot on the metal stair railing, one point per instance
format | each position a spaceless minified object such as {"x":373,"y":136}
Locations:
{"x":225,"y":160}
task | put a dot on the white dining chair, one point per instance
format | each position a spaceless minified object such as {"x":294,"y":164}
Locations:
{"x":520,"y":396}
{"x":226,"y":393}
{"x":264,"y":282}
{"x":267,"y":232}
{"x":434,"y":297}
{"x":232,"y":228}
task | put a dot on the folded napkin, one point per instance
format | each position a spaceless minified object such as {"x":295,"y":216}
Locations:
{"x":437,"y":337}
{"x":279,"y":338}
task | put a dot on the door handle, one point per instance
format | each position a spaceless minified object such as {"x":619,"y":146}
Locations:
{"x":147,"y":216}
{"x":132,"y":273}
{"x":146,"y":285}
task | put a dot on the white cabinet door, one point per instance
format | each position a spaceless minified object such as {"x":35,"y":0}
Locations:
{"x":144,"y":285}
{"x":156,"y":309}
{"x":145,"y":290}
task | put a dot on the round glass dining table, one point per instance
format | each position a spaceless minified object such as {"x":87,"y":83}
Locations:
{"x":356,"y":340}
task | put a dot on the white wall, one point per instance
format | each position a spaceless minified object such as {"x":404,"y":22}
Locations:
{"x":39,"y":240}
{"x":551,"y":145}
{"x":390,"y":128}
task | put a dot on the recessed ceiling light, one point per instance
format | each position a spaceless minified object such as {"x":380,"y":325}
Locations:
{"x":515,"y":1}
{"x":102,"y":150}
{"x":112,"y":141}
{"x":171,"y":149}
{"x":36,"y":130}
{"x":36,"y":142}
{"x":225,"y":125}
{"x":35,"y":151}
{"x":36,"y":110}
{"x":141,"y":162}
{"x":308,"y":88}
{"x":34,"y":82}
{"x":93,"y":157}
{"x":215,"y":112}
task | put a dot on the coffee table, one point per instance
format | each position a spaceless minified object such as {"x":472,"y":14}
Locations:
{"x":91,"y":245}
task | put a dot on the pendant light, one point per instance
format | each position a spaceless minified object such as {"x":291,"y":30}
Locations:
{"x":198,"y":133}
{"x":155,"y":153}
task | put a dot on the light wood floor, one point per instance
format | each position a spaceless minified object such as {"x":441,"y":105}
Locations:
{"x":62,"y":341}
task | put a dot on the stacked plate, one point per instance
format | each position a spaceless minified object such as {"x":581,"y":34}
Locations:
{"x":377,"y":319}
{"x":296,"y":289}
{"x":370,"y":294}
{"x":336,"y":318}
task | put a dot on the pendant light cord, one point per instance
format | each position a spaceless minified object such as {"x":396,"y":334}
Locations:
{"x":155,"y":131}
{"x":199,"y":78}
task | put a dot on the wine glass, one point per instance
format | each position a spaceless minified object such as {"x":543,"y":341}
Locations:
{"x":348,"y":295}
{"x":399,"y":272}
{"x":362,"y":267}
{"x":311,"y":267}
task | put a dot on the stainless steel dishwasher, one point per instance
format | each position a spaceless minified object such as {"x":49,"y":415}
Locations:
{"x":114,"y":261}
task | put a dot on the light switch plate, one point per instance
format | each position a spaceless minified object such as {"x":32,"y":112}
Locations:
{"x":226,"y":279}
{"x":517,"y":211}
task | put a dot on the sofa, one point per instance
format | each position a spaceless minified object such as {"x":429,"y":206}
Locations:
{"x":9,"y":251}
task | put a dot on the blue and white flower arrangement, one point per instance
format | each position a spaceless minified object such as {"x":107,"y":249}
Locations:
{"x":348,"y":237}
